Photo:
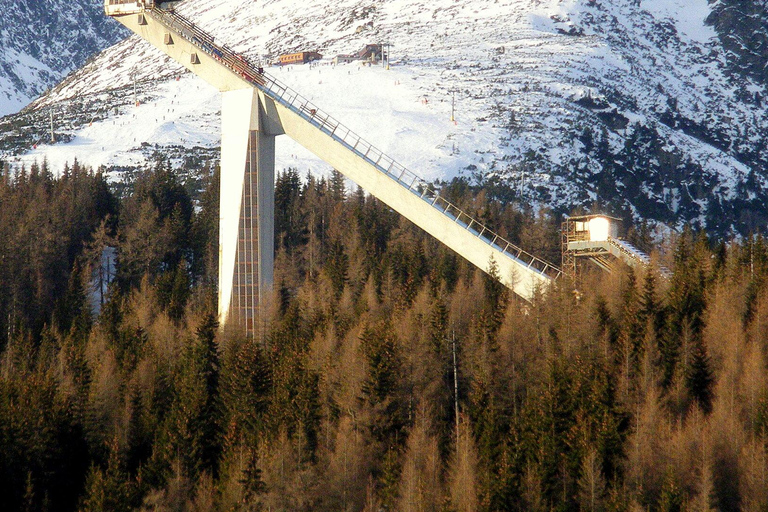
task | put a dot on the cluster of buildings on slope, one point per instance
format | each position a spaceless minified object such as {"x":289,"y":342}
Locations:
{"x":369,"y":53}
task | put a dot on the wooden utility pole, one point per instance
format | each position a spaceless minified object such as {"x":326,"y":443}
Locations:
{"x":455,"y":391}
{"x":53,"y":136}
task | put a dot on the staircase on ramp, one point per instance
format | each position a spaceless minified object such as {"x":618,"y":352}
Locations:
{"x":633,"y":256}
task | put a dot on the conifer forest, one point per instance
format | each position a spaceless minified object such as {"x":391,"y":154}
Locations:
{"x":387,"y":373}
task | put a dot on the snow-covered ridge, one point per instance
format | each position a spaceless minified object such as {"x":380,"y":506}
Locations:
{"x":566,"y":102}
{"x":41,"y":41}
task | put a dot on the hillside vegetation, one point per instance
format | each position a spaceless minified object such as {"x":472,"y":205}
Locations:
{"x":631,"y":393}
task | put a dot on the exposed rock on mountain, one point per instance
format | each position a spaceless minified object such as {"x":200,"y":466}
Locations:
{"x":43,"y":40}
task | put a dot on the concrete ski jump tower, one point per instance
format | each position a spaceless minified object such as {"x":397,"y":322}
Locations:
{"x":246,"y":219}
{"x":255,"y":109}
{"x":595,"y":238}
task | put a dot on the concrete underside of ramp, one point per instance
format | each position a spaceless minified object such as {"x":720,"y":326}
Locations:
{"x":513,"y":273}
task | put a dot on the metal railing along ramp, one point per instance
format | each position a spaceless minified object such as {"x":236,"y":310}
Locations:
{"x":389,"y":181}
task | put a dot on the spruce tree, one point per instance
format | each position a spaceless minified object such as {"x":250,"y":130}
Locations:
{"x":382,"y":385}
{"x":699,"y":376}
{"x":109,"y":489}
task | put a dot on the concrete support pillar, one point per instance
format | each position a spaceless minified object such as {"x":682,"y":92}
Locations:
{"x":266,"y":211}
{"x":247,"y":210}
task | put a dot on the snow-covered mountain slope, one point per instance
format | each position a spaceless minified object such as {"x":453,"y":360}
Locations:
{"x":43,"y":40}
{"x":638,"y":107}
{"x":741,"y":27}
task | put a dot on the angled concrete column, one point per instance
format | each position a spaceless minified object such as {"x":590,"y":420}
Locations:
{"x":247,"y":210}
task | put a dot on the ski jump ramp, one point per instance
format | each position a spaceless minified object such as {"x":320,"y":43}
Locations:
{"x":255,"y":109}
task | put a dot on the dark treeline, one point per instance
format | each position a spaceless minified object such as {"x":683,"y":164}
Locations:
{"x":632,"y":393}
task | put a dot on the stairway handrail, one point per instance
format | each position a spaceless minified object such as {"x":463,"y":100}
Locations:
{"x":637,"y":254}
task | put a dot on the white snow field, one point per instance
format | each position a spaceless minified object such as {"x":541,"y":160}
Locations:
{"x":518,"y":70}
